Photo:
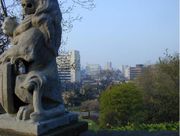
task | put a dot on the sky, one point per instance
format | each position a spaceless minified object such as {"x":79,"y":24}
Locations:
{"x":126,"y":32}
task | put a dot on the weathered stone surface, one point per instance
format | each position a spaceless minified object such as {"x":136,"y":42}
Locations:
{"x":6,"y":88}
{"x":33,"y":77}
{"x":10,"y":123}
{"x":74,"y":129}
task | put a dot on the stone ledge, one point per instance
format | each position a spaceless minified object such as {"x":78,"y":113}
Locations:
{"x":66,"y":123}
{"x":74,"y":129}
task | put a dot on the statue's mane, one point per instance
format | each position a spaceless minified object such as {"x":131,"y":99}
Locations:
{"x":48,"y":18}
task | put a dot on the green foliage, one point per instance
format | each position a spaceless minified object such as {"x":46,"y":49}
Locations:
{"x":149,"y":127}
{"x":121,"y":104}
{"x":92,"y":125}
{"x":137,"y":127}
{"x":160,"y":84}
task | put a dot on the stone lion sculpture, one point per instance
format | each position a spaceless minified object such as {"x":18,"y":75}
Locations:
{"x":36,"y":40}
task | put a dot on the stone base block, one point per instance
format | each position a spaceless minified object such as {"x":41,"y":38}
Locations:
{"x":66,"y":125}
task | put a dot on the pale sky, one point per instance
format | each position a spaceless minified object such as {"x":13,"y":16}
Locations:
{"x":126,"y":32}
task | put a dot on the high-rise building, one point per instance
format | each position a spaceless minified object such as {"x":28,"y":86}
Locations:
{"x":108,"y":66}
{"x":93,"y":70}
{"x":126,"y":71}
{"x":136,"y":71}
{"x":69,"y":66}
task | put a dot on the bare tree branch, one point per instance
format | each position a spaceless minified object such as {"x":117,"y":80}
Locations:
{"x":4,"y":41}
{"x":68,"y":8}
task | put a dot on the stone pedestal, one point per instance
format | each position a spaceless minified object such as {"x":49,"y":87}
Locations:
{"x":66,"y":125}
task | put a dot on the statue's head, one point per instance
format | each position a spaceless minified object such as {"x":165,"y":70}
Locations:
{"x":28,"y":7}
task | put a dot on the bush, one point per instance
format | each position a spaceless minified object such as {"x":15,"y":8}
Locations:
{"x":121,"y":104}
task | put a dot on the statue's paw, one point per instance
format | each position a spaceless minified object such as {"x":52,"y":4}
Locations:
{"x":24,"y":112}
{"x":35,"y":116}
{"x":30,"y":86}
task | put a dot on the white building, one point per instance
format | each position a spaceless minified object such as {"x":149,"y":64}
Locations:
{"x":93,"y":70}
{"x":126,"y":71}
{"x":108,"y":66}
{"x":69,"y":66}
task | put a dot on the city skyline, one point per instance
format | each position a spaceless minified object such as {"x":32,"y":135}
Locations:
{"x":126,"y":32}
{"x":104,"y":66}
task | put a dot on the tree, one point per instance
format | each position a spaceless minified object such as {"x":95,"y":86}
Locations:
{"x":160,"y":84}
{"x":121,"y":104}
{"x":68,"y":97}
{"x":90,"y":105}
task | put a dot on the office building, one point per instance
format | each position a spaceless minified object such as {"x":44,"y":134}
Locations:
{"x":93,"y":70}
{"x":108,"y":66}
{"x":69,"y":66}
{"x":136,"y":71}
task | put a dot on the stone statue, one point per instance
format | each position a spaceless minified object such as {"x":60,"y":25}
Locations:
{"x":28,"y":70}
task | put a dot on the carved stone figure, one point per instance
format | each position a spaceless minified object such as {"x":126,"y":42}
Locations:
{"x":29,"y":84}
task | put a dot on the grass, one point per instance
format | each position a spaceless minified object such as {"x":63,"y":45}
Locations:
{"x":137,"y":127}
{"x":149,"y":127}
{"x":92,"y":125}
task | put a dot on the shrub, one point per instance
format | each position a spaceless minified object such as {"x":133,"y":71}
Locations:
{"x":121,"y":104}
